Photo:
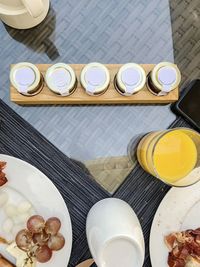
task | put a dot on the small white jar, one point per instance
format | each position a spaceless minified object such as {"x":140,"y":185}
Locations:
{"x":130,"y":79}
{"x":26,"y":78}
{"x":164,"y":78}
{"x":95,"y":79}
{"x":61,"y":79}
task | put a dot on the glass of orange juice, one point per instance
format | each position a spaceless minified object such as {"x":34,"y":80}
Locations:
{"x":172,"y":156}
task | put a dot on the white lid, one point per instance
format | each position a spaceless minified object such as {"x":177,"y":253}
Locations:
{"x":60,"y":78}
{"x":131,"y":78}
{"x":166,"y":77}
{"x":95,"y":78}
{"x":25,"y":77}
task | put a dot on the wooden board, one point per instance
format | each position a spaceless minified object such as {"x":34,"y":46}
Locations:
{"x":111,"y":96}
{"x":86,"y":263}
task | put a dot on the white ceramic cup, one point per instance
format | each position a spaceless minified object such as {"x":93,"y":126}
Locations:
{"x":114,"y":234}
{"x":23,"y":14}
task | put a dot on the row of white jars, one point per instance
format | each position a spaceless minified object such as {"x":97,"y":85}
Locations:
{"x":95,"y":79}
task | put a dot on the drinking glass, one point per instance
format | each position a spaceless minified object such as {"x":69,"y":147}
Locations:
{"x":172,"y":156}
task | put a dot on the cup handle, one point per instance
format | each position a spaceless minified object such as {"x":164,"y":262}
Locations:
{"x":34,"y":7}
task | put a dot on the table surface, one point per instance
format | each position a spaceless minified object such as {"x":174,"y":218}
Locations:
{"x":99,"y":138}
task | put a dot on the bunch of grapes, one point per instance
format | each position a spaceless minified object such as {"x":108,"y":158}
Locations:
{"x":40,"y":238}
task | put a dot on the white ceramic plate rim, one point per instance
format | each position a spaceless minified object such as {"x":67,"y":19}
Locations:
{"x":57,"y":203}
{"x":169,"y":218}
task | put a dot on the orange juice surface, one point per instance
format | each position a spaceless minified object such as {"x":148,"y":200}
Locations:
{"x":175,"y":156}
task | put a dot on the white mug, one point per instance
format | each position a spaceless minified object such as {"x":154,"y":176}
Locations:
{"x":114,"y":235}
{"x":23,"y":14}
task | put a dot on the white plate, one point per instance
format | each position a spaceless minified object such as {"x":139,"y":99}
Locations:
{"x":45,"y":198}
{"x":179,"y":210}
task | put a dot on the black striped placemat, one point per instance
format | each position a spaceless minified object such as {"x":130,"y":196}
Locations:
{"x":143,"y":192}
{"x":80,"y":192}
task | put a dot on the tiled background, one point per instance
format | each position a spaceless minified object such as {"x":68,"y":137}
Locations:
{"x":106,"y":31}
{"x":185,"y":17}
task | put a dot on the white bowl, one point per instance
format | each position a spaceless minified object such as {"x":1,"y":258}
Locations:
{"x":114,"y":234}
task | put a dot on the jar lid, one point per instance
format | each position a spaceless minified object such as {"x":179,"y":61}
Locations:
{"x":166,"y":77}
{"x":131,"y":78}
{"x":95,"y":78}
{"x":25,"y":77}
{"x":60,"y":78}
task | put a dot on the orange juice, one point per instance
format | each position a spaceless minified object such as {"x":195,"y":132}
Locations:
{"x":169,"y":155}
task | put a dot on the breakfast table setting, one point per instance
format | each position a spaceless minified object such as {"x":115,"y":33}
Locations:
{"x":99,"y":152}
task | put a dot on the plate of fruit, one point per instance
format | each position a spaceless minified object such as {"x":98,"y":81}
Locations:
{"x":35,"y":225}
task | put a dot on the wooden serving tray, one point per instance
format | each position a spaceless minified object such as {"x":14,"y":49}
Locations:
{"x":111,"y":96}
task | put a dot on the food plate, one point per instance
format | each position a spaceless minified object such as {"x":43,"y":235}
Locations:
{"x":34,"y":186}
{"x":178,"y":211}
